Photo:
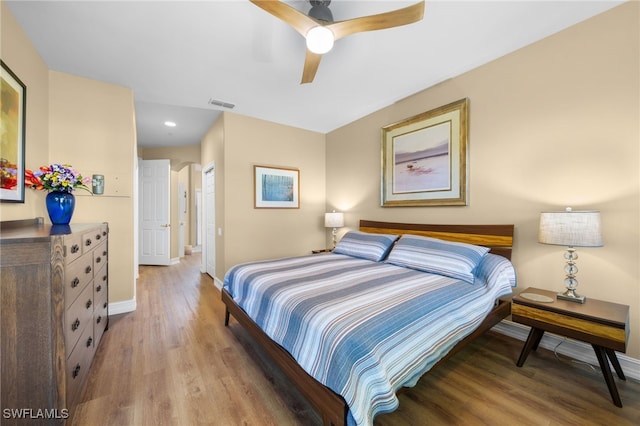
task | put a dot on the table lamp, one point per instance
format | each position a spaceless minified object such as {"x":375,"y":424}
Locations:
{"x":334,"y":220}
{"x":572,"y":229}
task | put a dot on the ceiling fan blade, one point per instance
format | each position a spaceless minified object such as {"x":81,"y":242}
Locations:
{"x":292,"y":16}
{"x":311,"y":63}
{"x":396,"y":18}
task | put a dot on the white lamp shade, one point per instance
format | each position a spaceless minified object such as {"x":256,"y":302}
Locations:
{"x":570,"y":228}
{"x":334,"y":220}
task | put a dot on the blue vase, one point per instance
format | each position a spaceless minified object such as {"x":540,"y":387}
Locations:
{"x":60,"y":205}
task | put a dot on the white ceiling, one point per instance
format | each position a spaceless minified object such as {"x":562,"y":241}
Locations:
{"x":177,"y":55}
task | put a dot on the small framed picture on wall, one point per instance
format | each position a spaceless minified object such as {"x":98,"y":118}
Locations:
{"x":276,"y":187}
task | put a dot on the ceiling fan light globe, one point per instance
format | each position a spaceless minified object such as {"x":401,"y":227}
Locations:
{"x":320,"y":39}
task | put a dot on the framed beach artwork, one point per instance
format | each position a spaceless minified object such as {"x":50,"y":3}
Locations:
{"x":424,"y":158}
{"x":12,"y":127}
{"x":276,"y":187}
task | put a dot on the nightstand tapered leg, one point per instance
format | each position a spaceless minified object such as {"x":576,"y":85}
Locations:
{"x":606,"y":372}
{"x":535,"y":335}
{"x":616,"y":364}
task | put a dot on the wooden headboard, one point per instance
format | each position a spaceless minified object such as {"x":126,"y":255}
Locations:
{"x":499,"y":238}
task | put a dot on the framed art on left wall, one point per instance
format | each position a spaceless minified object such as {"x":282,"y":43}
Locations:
{"x":276,"y":187}
{"x":13,"y":111}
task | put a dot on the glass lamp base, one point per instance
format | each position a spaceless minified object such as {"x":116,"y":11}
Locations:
{"x":571,"y":296}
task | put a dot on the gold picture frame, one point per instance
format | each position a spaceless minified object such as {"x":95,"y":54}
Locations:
{"x":276,"y":187}
{"x":424,"y":158}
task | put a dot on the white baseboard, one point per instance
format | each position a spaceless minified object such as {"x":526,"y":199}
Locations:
{"x":217,"y":283}
{"x":572,"y":348}
{"x":123,"y":307}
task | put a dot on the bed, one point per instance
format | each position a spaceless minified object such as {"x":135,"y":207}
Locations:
{"x":352,"y":327}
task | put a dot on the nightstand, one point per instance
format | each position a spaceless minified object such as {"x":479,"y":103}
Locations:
{"x":328,"y":250}
{"x":602,"y":324}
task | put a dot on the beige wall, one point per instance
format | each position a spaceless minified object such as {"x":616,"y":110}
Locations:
{"x":552,"y":125}
{"x":92,"y":127}
{"x":178,"y":156}
{"x":88,"y":124}
{"x":22,"y":58}
{"x":212,"y":154}
{"x":237,"y":143}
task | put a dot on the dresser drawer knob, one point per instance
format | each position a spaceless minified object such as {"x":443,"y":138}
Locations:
{"x":88,"y":242}
{"x":75,"y":248}
{"x":104,"y":253}
{"x":89,"y":303}
{"x":99,"y":319}
{"x":75,"y":282}
{"x":98,"y":289}
{"x":105,"y":305}
{"x":76,"y":371}
{"x":89,"y":341}
{"x":98,"y":259}
{"x":87,"y":270}
{"x":98,"y":236}
{"x":75,"y":325}
{"x":104,"y":278}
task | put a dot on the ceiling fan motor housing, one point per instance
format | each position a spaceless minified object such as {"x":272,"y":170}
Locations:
{"x":320,"y":30}
{"x":320,"y":10}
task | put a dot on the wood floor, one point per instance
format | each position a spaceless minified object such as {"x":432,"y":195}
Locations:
{"x":172,"y":362}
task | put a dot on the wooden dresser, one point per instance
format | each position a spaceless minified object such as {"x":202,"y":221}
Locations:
{"x":54,"y":311}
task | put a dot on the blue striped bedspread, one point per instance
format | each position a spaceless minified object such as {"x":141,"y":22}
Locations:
{"x":362,"y":328}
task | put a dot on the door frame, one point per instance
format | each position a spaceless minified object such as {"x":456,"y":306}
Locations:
{"x":210,"y":167}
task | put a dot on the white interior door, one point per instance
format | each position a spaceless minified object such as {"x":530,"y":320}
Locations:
{"x":155,"y":180}
{"x":209,"y":218}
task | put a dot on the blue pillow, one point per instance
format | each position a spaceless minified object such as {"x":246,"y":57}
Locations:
{"x":455,"y":260}
{"x":364,"y":245}
{"x":494,"y":270}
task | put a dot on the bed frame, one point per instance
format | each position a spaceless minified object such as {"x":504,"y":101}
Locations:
{"x":331,"y":406}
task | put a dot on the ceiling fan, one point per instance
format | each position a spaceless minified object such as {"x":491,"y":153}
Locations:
{"x":320,"y":30}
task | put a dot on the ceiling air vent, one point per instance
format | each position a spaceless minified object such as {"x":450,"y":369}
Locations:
{"x":222,"y":104}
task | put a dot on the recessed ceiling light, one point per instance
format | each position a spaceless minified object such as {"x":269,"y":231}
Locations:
{"x":170,"y":124}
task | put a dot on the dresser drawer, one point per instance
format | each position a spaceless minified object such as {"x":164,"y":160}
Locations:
{"x":100,"y":316}
{"x":77,"y":317}
{"x":100,"y":255}
{"x":104,"y":230}
{"x":100,"y":282}
{"x":76,"y":277}
{"x":90,"y":240}
{"x":78,"y":363}
{"x":72,"y":247}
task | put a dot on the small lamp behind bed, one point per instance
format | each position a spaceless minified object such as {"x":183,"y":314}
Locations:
{"x":334,"y":220}
{"x":572,"y":229}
